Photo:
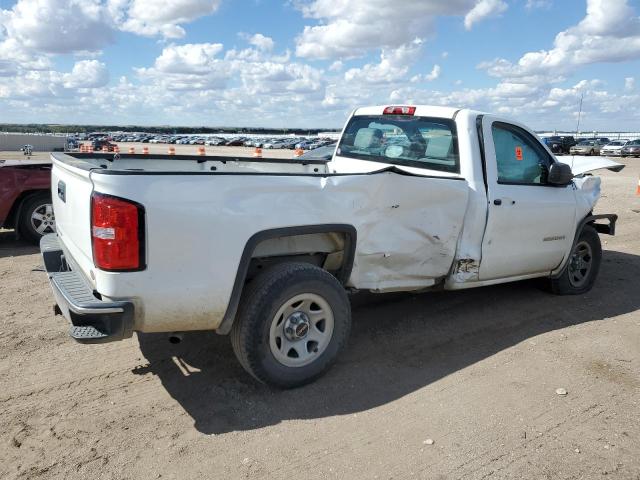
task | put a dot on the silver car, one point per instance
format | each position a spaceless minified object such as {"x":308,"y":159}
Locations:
{"x":586,"y":147}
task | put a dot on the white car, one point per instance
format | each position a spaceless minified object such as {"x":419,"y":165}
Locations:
{"x":613,"y":149}
{"x":267,"y":249}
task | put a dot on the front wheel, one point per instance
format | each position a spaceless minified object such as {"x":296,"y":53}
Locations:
{"x":583,"y":265}
{"x":293,"y":321}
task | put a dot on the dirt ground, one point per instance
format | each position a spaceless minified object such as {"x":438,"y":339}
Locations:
{"x":474,"y":371}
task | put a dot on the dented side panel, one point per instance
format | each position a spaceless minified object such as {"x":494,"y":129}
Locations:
{"x":407,"y":230}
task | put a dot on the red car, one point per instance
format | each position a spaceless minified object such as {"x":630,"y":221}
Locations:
{"x":25,"y":198}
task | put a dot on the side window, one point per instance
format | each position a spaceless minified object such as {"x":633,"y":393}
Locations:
{"x":519,"y":158}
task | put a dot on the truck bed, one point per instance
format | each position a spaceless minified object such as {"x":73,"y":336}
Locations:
{"x":202,"y":211}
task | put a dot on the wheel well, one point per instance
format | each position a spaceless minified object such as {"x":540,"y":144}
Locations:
{"x":12,"y":218}
{"x":324,"y":249}
{"x":331,"y":247}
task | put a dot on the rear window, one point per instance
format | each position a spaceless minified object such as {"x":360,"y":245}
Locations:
{"x":422,"y":142}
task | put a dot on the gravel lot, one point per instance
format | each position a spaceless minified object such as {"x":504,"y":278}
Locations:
{"x":474,"y":371}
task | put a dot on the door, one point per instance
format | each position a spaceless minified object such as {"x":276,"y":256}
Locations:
{"x":530,"y":223}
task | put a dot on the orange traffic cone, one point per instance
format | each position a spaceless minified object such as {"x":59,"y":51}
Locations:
{"x":172,"y":150}
{"x":145,"y":150}
{"x":201,"y":151}
{"x":132,"y":150}
{"x":258,"y":152}
{"x":299,"y":152}
{"x":90,"y":148}
{"x":638,"y":188}
{"x":116,"y":149}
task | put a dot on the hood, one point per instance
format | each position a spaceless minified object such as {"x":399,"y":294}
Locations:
{"x":581,"y":165}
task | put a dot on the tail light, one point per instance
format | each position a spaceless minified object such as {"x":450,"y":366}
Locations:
{"x":117,"y":233}
{"x":399,"y":111}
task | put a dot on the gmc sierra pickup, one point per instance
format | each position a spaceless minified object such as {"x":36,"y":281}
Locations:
{"x":414,"y":198}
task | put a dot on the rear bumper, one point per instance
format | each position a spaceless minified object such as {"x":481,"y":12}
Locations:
{"x":93,"y":320}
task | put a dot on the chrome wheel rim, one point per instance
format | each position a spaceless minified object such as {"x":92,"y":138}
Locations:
{"x":301,"y":330}
{"x":43,"y":220}
{"x":580,"y":264}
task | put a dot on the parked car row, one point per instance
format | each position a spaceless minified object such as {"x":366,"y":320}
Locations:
{"x":240,"y":141}
{"x":562,"y":145}
{"x":606,"y":147}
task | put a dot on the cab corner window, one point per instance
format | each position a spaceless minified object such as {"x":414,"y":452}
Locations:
{"x":519,"y":160}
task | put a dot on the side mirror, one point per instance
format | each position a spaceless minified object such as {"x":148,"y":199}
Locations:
{"x":560,"y":174}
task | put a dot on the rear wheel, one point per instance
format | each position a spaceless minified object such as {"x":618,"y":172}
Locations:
{"x":294,"y":320}
{"x":36,"y":218}
{"x":583,"y":266}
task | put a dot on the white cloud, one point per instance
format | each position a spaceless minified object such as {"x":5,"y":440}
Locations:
{"x":482,"y":10}
{"x":350,"y":28}
{"x":534,"y":4}
{"x":336,"y":66}
{"x":87,"y":74}
{"x":435,"y":73}
{"x":58,"y":26}
{"x":160,"y":17}
{"x":262,"y":42}
{"x":394,"y":65}
{"x":429,"y":77}
{"x":629,"y":84}
{"x":610,"y":32}
{"x":68,"y":26}
{"x":189,"y":58}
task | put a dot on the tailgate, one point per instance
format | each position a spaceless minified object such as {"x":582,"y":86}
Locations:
{"x":71,"y":190}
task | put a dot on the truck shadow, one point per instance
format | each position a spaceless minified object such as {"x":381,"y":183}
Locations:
{"x":11,"y":247}
{"x":399,"y":344}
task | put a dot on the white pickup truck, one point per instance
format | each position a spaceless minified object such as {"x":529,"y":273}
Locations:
{"x":414,"y":198}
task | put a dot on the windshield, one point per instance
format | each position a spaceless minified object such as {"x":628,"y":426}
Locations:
{"x":615,"y":144}
{"x":635,"y":143}
{"x":586,"y":142}
{"x":422,"y":142}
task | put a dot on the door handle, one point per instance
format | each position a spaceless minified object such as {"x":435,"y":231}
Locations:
{"x":497,"y":201}
{"x":509,"y":201}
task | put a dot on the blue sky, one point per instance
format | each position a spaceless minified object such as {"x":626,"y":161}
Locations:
{"x":308,"y":63}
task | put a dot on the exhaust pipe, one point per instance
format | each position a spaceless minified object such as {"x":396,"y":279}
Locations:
{"x":175,"y":338}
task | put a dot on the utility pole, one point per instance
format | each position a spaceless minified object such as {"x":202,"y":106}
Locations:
{"x":579,"y":114}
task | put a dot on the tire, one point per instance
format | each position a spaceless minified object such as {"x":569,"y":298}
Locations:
{"x":36,"y":218}
{"x":272,"y":305}
{"x":583,"y":266}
